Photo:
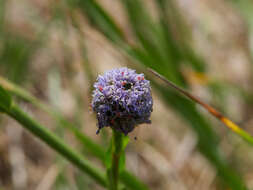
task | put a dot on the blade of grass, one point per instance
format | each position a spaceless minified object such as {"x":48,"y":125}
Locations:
{"x":100,"y":19}
{"x":14,"y":57}
{"x":171,"y":20}
{"x":132,"y":181}
{"x":230,"y":124}
{"x":2,"y":15}
{"x":20,"y":92}
{"x":56,"y":143}
{"x":153,"y":40}
{"x":245,"y":8}
{"x":127,"y":178}
{"x":207,"y":138}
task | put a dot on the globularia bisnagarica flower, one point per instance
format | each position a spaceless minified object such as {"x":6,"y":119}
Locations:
{"x":122,"y":100}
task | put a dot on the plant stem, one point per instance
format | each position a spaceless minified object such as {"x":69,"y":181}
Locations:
{"x":226,"y":121}
{"x":56,"y":143}
{"x":127,"y":178}
{"x":117,"y":150}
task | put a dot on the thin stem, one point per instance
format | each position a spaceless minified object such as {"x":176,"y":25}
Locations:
{"x":117,"y":150}
{"x":55,"y":114}
{"x":128,"y":179}
{"x":56,"y":143}
{"x":227,"y":122}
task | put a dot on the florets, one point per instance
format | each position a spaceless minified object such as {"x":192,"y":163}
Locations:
{"x":122,"y":100}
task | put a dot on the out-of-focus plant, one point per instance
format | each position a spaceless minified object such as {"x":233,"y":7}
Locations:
{"x":227,"y":122}
{"x":8,"y":107}
{"x":245,"y":7}
{"x":161,"y":45}
{"x":96,"y":150}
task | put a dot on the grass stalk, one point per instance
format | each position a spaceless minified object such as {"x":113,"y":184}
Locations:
{"x":56,"y":143}
{"x":227,"y":122}
{"x":131,"y":181}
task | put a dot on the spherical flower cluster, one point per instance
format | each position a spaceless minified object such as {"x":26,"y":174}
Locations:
{"x":122,"y":100}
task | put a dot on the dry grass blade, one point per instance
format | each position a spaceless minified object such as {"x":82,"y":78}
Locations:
{"x":227,"y":122}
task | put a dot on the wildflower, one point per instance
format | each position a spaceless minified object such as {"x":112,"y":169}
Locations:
{"x":122,"y":100}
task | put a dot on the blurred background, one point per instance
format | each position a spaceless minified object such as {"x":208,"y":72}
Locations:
{"x":52,"y":51}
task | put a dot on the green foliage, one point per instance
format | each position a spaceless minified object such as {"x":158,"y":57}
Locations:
{"x":2,"y":14}
{"x":245,"y":8}
{"x":99,"y":17}
{"x":162,"y":43}
{"x":159,"y":50}
{"x":5,"y":100}
{"x":207,"y":139}
{"x":15,"y":57}
{"x":131,"y":181}
{"x":56,"y":143}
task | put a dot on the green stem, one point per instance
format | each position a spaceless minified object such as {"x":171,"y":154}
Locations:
{"x":131,"y":181}
{"x":56,"y":143}
{"x":117,"y":150}
{"x":55,"y":114}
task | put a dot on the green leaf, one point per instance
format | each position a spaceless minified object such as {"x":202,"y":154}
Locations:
{"x":207,"y":139}
{"x":95,"y":149}
{"x":15,"y":57}
{"x":57,"y":144}
{"x":132,"y":181}
{"x":5,"y":100}
{"x":158,"y":49}
{"x":99,"y":18}
{"x":2,"y":15}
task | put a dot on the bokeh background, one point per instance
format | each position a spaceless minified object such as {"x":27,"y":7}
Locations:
{"x":55,"y":49}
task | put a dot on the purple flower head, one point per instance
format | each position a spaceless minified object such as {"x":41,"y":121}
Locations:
{"x":122,"y":100}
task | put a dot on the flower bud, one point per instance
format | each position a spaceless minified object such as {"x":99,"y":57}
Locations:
{"x":122,"y":100}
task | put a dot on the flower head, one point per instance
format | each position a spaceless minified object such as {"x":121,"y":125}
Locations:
{"x":122,"y":100}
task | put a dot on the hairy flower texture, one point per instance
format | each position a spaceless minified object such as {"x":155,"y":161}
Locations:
{"x":122,"y":100}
